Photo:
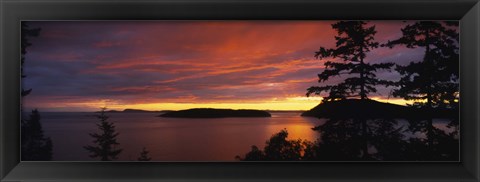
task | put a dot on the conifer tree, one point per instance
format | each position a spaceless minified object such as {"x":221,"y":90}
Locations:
{"x":431,"y":83}
{"x":35,"y":146}
{"x":105,"y":141}
{"x":353,"y":42}
{"x":144,"y":155}
{"x":25,"y":33}
{"x":435,"y":78}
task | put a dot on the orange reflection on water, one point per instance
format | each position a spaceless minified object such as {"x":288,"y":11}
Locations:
{"x":298,"y":127}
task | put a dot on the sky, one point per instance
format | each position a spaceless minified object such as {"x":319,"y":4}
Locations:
{"x":173,"y":65}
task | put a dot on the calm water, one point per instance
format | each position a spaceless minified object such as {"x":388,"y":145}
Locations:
{"x":178,"y":139}
{"x":173,"y":139}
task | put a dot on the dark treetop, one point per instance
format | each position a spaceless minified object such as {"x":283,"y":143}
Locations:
{"x":435,"y":78}
{"x":353,"y":42}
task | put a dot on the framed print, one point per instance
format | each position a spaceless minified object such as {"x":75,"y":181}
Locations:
{"x":202,"y":90}
{"x":217,"y":90}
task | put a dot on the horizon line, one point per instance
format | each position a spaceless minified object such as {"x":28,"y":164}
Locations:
{"x":166,"y":110}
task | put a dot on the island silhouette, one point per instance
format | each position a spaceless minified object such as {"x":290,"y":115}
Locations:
{"x":215,"y":113}
{"x":132,"y":111}
{"x":367,"y":108}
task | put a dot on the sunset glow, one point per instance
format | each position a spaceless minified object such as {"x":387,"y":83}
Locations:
{"x":174,"y":65}
{"x":206,"y":91}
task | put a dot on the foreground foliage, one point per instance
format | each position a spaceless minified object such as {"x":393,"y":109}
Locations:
{"x":105,"y":141}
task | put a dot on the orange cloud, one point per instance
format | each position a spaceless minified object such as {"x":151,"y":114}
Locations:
{"x":179,"y":64}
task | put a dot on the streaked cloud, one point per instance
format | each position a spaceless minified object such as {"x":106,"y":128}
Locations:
{"x":84,"y":65}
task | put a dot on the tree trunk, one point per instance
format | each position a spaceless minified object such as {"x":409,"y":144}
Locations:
{"x":365,"y":139}
{"x":363,"y":95}
{"x":429,"y":91}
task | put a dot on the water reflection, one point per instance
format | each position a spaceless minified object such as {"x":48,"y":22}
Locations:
{"x":174,"y":139}
{"x":362,"y":139}
{"x":221,"y":139}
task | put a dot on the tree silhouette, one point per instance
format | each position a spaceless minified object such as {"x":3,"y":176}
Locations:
{"x":35,"y":146}
{"x":432,"y":82}
{"x":278,"y":148}
{"x":255,"y":154}
{"x":144,"y":155}
{"x":25,"y":33}
{"x":354,"y":41}
{"x":105,"y":140}
{"x":343,"y":140}
{"x":435,"y":78}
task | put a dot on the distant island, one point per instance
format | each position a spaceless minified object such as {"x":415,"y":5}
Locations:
{"x":288,"y":111}
{"x":355,"y":108}
{"x":215,"y":113}
{"x":133,"y":111}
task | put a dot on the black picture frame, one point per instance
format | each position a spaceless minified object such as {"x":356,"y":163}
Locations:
{"x":14,"y":11}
